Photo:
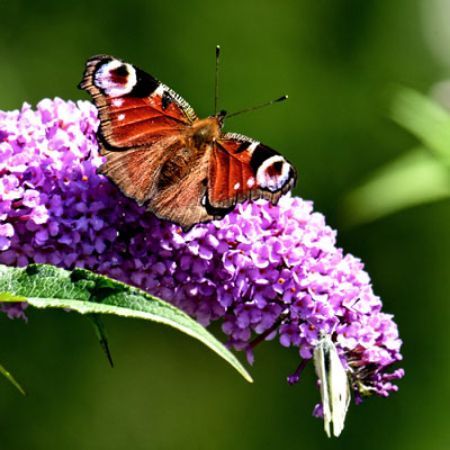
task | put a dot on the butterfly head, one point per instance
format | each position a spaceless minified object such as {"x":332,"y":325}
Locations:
{"x":206,"y":131}
{"x":221,"y":117}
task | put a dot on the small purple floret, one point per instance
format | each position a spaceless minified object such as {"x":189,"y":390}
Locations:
{"x":268,"y":271}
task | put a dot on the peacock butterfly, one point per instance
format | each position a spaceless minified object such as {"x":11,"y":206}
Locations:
{"x":182,"y":168}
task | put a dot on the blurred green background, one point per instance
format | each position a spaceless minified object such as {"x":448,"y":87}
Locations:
{"x":337,"y":60}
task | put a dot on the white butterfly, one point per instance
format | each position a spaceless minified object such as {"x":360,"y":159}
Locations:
{"x":334,"y":385}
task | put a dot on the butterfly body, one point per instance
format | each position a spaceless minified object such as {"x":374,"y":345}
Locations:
{"x":182,"y":168}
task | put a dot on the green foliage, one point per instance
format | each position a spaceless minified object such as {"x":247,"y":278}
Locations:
{"x":10,"y":378}
{"x":424,"y":119}
{"x":420,"y":176}
{"x":102,"y":337}
{"x":45,"y":286}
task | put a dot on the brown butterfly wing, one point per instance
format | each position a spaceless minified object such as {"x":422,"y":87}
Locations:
{"x":135,"y":109}
{"x":144,"y":134}
{"x":243,"y":169}
{"x":136,"y":171}
{"x":171,"y":184}
{"x":182,"y":187}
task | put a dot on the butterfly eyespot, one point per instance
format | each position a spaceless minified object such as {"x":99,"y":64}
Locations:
{"x":121,"y":117}
{"x":115,"y":78}
{"x":273,"y":173}
{"x":120,"y":72}
{"x":237,"y":186}
{"x":276,"y":167}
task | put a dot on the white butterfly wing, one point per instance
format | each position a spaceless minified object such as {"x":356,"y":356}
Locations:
{"x":339,"y":391}
{"x":334,"y":385}
{"x":320,"y":363}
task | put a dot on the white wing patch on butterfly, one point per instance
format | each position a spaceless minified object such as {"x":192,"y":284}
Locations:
{"x":334,"y":385}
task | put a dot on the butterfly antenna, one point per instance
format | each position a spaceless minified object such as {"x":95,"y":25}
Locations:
{"x":263,"y":105}
{"x":216,"y":86}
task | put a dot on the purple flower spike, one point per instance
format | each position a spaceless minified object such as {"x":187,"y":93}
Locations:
{"x":266,"y":271}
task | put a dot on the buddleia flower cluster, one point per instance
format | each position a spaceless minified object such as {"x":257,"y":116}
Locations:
{"x":265,"y":272}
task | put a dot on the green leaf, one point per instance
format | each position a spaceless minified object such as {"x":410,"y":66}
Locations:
{"x":102,"y":337}
{"x":415,"y":178}
{"x":429,"y":122}
{"x":80,"y":290}
{"x":11,"y":379}
{"x":8,"y":297}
